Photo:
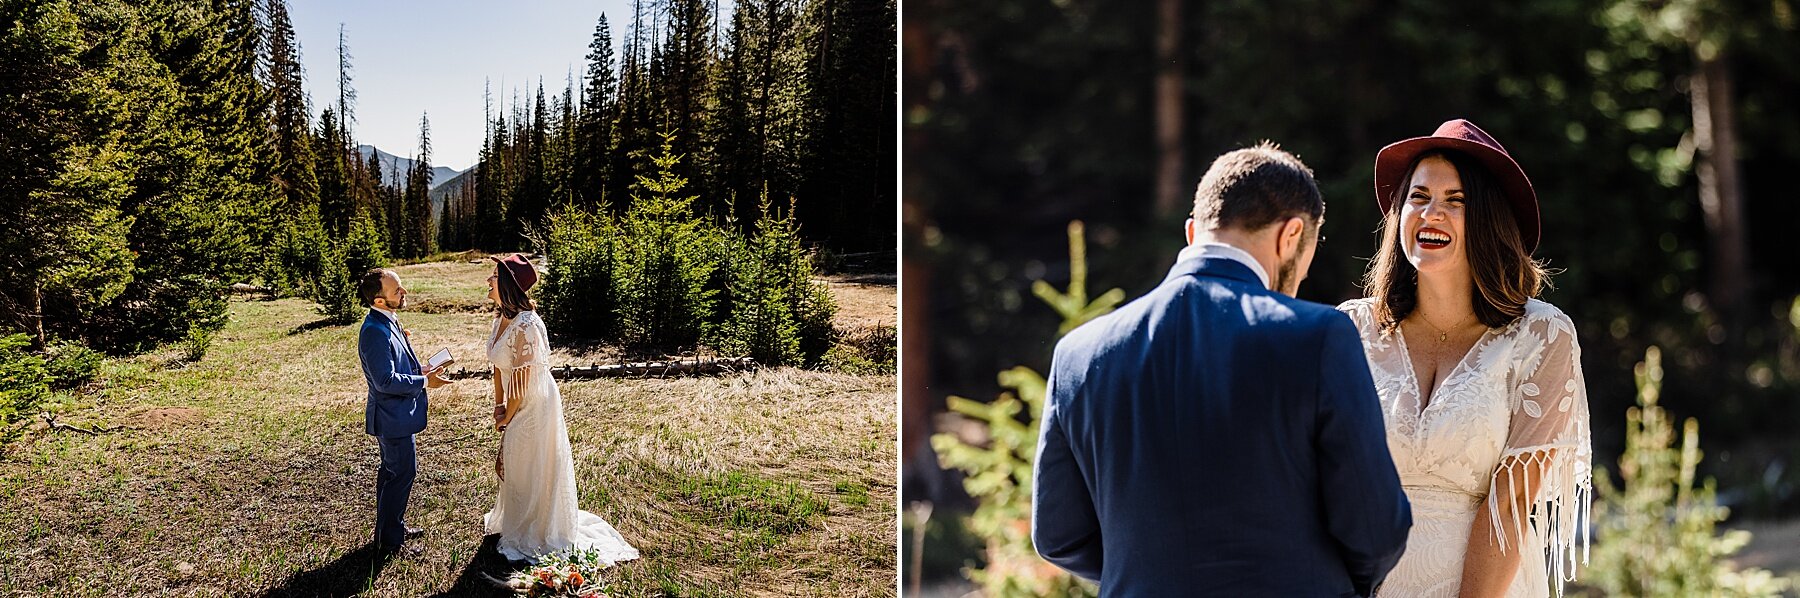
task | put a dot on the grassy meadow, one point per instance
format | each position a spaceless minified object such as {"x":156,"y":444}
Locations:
{"x":247,"y":472}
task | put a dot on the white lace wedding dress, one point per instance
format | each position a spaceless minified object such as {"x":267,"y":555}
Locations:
{"x":1516,"y":405}
{"x":535,"y":513}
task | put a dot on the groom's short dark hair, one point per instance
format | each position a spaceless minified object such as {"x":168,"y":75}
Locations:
{"x":1250,"y":188}
{"x":369,"y":286}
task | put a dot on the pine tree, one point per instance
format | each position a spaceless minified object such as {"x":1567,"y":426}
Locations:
{"x":418,"y":196}
{"x":375,"y":196}
{"x":493,"y":186}
{"x":363,"y":178}
{"x":599,"y":111}
{"x":243,"y":40}
{"x":665,"y":263}
{"x":214,"y":61}
{"x":687,"y":57}
{"x":787,"y":110}
{"x":563,"y":155}
{"x":848,"y":196}
{"x":999,"y":474}
{"x":531,"y":203}
{"x":346,"y":102}
{"x":295,"y":181}
{"x":729,"y":126}
{"x":63,"y":182}
{"x":336,"y":206}
{"x":190,"y":131}
{"x":632,"y":140}
{"x":394,"y":205}
{"x":759,"y":123}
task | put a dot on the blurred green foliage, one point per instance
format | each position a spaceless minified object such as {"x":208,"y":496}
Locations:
{"x":999,"y":474}
{"x":1657,"y":531}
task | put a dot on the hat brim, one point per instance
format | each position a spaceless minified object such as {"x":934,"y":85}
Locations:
{"x":502,"y":262}
{"x":1391,"y":164}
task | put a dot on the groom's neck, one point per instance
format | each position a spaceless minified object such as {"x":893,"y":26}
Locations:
{"x":1251,"y":243}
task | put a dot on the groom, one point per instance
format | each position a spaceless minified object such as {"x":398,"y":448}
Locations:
{"x":396,"y":409}
{"x":1218,"y":437}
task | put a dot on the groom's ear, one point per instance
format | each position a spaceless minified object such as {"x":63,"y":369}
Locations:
{"x":1190,"y":231}
{"x":1292,"y":233}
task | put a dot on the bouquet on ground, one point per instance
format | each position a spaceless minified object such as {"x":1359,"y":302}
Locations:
{"x":563,"y":574}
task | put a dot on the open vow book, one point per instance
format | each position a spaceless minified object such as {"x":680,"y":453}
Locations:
{"x":439,"y":359}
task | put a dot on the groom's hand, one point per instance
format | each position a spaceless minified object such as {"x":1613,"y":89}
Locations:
{"x":433,"y":378}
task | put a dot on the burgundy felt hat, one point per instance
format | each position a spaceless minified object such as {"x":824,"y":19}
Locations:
{"x":1463,"y":136}
{"x":521,"y":270}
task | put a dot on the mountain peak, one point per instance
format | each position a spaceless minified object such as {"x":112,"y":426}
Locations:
{"x":393,"y":168}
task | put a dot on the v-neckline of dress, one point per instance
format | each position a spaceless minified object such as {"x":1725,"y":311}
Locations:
{"x":499,"y":330}
{"x":1428,"y":399}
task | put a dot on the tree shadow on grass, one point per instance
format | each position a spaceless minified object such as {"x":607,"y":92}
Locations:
{"x":349,"y":575}
{"x":876,"y":279}
{"x":486,"y":573}
{"x":326,"y":322}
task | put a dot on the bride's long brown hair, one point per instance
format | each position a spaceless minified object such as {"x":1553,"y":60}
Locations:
{"x":512,"y":298}
{"x":1504,"y":274}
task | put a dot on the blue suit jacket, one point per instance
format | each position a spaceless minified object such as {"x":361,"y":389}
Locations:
{"x":396,"y":390}
{"x":1217,"y":438}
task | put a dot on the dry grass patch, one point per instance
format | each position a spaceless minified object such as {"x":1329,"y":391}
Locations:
{"x":866,"y":323}
{"x":864,"y":300}
{"x":248,"y":473}
{"x":153,"y":418}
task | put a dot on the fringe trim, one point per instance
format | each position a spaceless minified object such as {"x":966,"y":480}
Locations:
{"x":518,"y":380}
{"x":1560,"y":507}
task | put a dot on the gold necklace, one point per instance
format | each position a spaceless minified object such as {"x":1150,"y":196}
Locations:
{"x":1443,"y":336}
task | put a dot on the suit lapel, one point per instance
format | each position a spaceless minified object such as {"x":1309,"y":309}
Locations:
{"x":408,"y":345}
{"x":395,"y":333}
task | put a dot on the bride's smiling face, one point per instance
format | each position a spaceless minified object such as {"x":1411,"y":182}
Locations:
{"x":493,"y":288}
{"x":1432,"y":218}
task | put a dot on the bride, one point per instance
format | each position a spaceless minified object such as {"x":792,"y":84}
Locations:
{"x":535,"y":513}
{"x":1480,"y":383}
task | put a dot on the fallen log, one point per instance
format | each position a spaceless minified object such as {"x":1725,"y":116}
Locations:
{"x":50,"y":419}
{"x":643,"y":369}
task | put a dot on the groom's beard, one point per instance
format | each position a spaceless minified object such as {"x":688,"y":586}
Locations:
{"x":1287,"y":278}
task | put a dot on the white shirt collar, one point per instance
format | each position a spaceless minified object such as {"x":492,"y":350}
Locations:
{"x":389,"y":313}
{"x":1221,"y":250}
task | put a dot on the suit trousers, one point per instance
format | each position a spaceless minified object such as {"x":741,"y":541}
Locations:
{"x":393,"y":486}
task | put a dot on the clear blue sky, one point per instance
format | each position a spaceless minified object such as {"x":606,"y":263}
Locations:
{"x":411,"y":57}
